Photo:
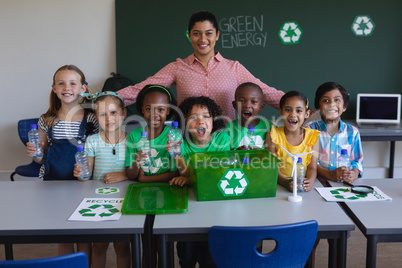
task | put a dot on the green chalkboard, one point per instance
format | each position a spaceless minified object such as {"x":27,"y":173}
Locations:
{"x":151,"y":34}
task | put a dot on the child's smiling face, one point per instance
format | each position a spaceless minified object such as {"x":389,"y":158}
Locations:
{"x":248,"y":103}
{"x":332,"y":105}
{"x":199,"y":124}
{"x":109,"y":114}
{"x":155,"y":108}
{"x":294,"y":112}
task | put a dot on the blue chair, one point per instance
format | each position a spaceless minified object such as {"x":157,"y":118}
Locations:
{"x":236,"y":246}
{"x":32,"y":169}
{"x":76,"y":260}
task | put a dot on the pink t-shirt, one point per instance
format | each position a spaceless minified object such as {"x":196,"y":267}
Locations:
{"x":219,"y":82}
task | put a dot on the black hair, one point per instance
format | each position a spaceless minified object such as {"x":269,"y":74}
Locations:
{"x":214,"y":110}
{"x":292,"y":94}
{"x":250,"y":84}
{"x":328,"y":86}
{"x":201,"y":16}
{"x":155,"y":88}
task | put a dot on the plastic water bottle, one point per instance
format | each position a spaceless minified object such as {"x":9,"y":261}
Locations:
{"x":81,"y":158}
{"x":35,"y":138}
{"x":301,"y":174}
{"x":344,"y":160}
{"x":251,"y":137}
{"x":144,"y":146}
{"x":175,"y":138}
{"x":230,"y":160}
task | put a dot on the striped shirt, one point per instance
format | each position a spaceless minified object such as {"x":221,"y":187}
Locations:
{"x":66,"y":130}
{"x":347,"y":137}
{"x":218,"y":81}
{"x":105,"y":160}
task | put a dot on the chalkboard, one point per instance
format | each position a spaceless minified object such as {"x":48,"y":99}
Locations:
{"x":355,"y":43}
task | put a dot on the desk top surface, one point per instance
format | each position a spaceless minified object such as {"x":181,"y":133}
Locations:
{"x":255,"y":212}
{"x":379,"y":217}
{"x":43,"y":207}
{"x":380,"y":133}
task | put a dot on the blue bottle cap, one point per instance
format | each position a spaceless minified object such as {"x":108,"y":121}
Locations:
{"x":144,"y":133}
{"x":80,"y":148}
{"x":344,"y":151}
{"x":175,"y":124}
{"x":251,"y":129}
{"x":34,"y":126}
{"x":299,"y":160}
{"x":245,"y":160}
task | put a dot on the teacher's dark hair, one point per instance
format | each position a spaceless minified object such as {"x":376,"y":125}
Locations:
{"x":201,"y":16}
{"x":328,"y":86}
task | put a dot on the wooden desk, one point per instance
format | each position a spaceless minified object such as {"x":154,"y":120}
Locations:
{"x":333,"y":223}
{"x":38,"y":212}
{"x":379,"y":221}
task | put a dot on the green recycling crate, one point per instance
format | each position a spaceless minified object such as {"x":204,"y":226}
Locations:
{"x":227,"y":175}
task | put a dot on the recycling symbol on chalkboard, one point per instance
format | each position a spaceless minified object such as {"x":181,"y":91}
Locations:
{"x":346,"y":194}
{"x":101,"y":210}
{"x":290,"y":33}
{"x":233,"y":182}
{"x":363,"y":26}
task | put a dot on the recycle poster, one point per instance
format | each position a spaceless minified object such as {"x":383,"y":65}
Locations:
{"x":98,"y":209}
{"x":344,"y":194}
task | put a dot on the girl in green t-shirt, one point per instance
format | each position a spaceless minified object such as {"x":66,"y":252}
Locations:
{"x":156,"y":104}
{"x":203,"y":119}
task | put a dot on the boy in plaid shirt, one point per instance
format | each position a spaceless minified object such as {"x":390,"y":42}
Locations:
{"x":331,"y":99}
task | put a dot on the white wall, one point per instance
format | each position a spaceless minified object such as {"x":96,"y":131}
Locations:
{"x":37,"y":37}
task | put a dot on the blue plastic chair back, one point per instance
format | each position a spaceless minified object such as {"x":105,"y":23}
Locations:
{"x":24,"y":126}
{"x":76,"y":260}
{"x":32,"y":169}
{"x":236,"y":246}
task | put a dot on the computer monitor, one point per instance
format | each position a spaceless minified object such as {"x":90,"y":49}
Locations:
{"x":378,"y":108}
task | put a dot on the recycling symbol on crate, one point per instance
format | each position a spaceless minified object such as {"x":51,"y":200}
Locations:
{"x":107,"y":190}
{"x":101,"y":210}
{"x":345,"y":193}
{"x":363,"y":26}
{"x":233,"y":182}
{"x":290,"y":33}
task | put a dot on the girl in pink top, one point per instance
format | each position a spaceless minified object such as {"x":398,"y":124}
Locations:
{"x":205,"y":72}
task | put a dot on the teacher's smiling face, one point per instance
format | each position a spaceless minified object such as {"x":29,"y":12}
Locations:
{"x":203,"y":37}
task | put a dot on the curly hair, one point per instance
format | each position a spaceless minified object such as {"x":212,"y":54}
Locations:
{"x":156,"y":88}
{"x":214,"y":110}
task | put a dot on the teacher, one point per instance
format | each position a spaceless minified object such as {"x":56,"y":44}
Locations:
{"x":205,"y":72}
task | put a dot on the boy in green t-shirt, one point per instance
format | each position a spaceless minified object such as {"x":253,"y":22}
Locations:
{"x":248,"y":103}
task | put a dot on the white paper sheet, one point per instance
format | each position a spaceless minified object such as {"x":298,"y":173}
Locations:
{"x":343,"y":194}
{"x":98,"y":209}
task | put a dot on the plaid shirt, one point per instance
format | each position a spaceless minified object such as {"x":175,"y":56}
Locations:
{"x":347,"y":137}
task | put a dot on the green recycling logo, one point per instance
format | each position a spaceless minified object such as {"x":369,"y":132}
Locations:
{"x":233,"y":182}
{"x":100,"y":210}
{"x":290,"y":33}
{"x":107,"y":190}
{"x":346,"y":194}
{"x":363,"y":26}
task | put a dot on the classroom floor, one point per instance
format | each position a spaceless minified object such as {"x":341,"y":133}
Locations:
{"x":388,"y":254}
